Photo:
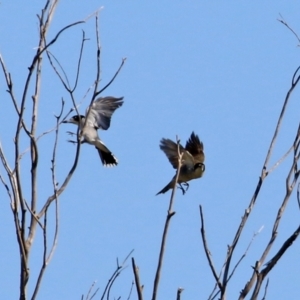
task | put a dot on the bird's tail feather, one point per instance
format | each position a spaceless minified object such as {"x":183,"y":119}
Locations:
{"x":107,"y":158}
{"x":166,"y":188}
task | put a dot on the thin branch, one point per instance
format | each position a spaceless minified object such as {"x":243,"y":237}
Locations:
{"x":269,"y":266}
{"x":79,"y":60}
{"x":178,"y":295}
{"x":113,"y":281}
{"x":139,"y":289}
{"x":113,"y":277}
{"x":245,"y":253}
{"x":96,"y":83}
{"x":64,"y":185}
{"x":295,"y":81}
{"x":7,"y":189}
{"x":266,"y":289}
{"x":33,"y":215}
{"x":90,"y":290}
{"x":9,"y":84}
{"x":170,"y":214}
{"x":111,"y":81}
{"x":34,"y":154}
{"x":293,"y":177}
{"x":65,"y":81}
{"x":213,"y":295}
{"x":59,"y":33}
{"x":208,"y":253}
{"x":298,"y":194}
{"x":54,"y":183}
{"x":47,"y":259}
{"x":286,"y":24}
{"x":131,"y":289}
{"x":48,"y":131}
{"x":279,"y":161}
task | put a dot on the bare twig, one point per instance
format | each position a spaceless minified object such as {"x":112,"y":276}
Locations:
{"x":111,"y":81}
{"x":178,"y":295}
{"x":65,"y":81}
{"x":114,"y":276}
{"x":96,"y":83}
{"x":90,"y":291}
{"x":298,"y":194}
{"x":286,"y":24}
{"x":208,"y":253}
{"x":170,"y":214}
{"x":261,"y":275}
{"x":130,"y":292}
{"x":54,"y":183}
{"x":137,"y":280}
{"x":266,"y":289}
{"x":7,"y":189}
{"x":279,"y":161}
{"x":245,"y":253}
{"x":295,"y":81}
{"x":291,"y":181}
{"x":46,"y":259}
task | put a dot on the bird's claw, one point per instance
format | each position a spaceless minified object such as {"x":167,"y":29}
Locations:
{"x":71,"y":133}
{"x":182,"y":188}
{"x":73,"y":142}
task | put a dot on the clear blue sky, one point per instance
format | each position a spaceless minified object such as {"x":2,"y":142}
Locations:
{"x":219,"y":68}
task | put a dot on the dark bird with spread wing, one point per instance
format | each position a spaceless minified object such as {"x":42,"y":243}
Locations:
{"x":192,"y":166}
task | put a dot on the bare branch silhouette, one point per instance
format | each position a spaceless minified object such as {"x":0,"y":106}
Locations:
{"x":114,"y":276}
{"x":282,"y":21}
{"x":170,"y":214}
{"x":130,"y":292}
{"x":179,"y":291}
{"x":139,"y":288}
{"x":208,"y":253}
{"x":31,"y":215}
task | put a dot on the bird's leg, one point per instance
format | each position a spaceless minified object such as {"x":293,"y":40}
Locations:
{"x":186,"y":185}
{"x":182,"y":189}
{"x":73,"y":142}
{"x":71,"y":133}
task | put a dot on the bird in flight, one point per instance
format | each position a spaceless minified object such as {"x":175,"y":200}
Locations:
{"x":98,"y":116}
{"x":192,"y":166}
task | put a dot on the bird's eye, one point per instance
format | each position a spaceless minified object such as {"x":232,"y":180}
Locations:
{"x":201,"y":166}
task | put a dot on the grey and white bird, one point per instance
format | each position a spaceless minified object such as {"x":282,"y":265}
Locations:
{"x":192,"y":161}
{"x":98,"y":117}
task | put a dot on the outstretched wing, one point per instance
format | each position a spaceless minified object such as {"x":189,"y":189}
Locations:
{"x":171,"y":151}
{"x":102,"y":110}
{"x":195,"y":147}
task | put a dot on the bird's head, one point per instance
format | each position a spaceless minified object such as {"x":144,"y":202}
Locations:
{"x":199,"y":166}
{"x":75,"y":120}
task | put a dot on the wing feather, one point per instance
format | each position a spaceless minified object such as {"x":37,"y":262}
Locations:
{"x":170,"y":149}
{"x":195,"y":147}
{"x":102,"y":110}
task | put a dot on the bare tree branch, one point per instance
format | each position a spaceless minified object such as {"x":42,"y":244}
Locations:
{"x":263,"y":175}
{"x":178,"y":295}
{"x":285,"y":24}
{"x":261,"y":275}
{"x":130,"y":292}
{"x":266,"y":289}
{"x":208,"y":253}
{"x":114,"y":276}
{"x":139,"y":288}
{"x":170,"y":214}
{"x":291,"y":181}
